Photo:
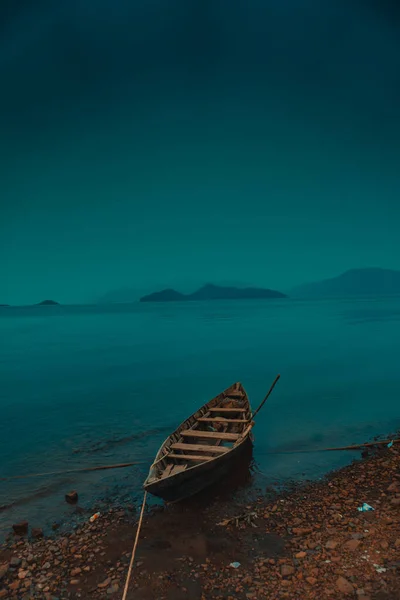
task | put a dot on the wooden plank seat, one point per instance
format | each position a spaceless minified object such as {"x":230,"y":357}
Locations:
{"x":216,"y":435}
{"x":199,"y":448}
{"x":194,"y":457}
{"x":221,"y":420}
{"x":224,"y":410}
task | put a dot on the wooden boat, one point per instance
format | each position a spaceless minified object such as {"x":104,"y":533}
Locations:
{"x":203,"y":448}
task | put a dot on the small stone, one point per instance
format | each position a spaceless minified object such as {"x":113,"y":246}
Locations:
{"x":37,"y":533}
{"x":384,"y":545}
{"x":76,"y":572}
{"x":395,"y":501}
{"x":14,"y":585}
{"x":394,"y":487}
{"x":344,"y":586}
{"x":397,"y":543}
{"x":105,"y":583}
{"x":46,"y":565}
{"x":311,"y":580}
{"x":301,"y":530}
{"x":21,"y":528}
{"x":74,"y":581}
{"x":15,"y":561}
{"x":3,"y":593}
{"x":71,"y":497}
{"x":3,"y":570}
{"x":286,"y":570}
{"x":22,"y":574}
{"x":331,"y":544}
{"x":113,"y":589}
{"x":352,"y":545}
{"x":301,"y":554}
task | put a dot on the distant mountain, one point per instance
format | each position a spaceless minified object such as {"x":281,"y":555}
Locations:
{"x":164,"y":296}
{"x":213,"y":292}
{"x":47,"y":303}
{"x":356,"y":282}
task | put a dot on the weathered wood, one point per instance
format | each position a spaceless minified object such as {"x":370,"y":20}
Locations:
{"x":167,"y":471}
{"x":245,"y":432}
{"x":177,"y":469}
{"x":266,"y":397}
{"x":216,"y":435}
{"x":208,"y":460}
{"x":221,"y":420}
{"x":224,"y":410}
{"x":194,"y":457}
{"x":200,"y":448}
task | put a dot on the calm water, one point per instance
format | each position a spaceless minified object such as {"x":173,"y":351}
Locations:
{"x":83,"y":386}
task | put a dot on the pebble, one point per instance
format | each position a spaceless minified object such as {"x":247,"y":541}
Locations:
{"x":286,"y":570}
{"x":344,"y":586}
{"x":352,"y":545}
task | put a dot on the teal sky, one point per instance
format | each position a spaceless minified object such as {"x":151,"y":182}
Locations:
{"x":174,"y":142}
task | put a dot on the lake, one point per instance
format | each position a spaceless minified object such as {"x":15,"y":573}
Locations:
{"x":93,"y":385}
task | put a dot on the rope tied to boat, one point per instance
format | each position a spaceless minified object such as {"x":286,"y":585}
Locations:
{"x":128,"y":577}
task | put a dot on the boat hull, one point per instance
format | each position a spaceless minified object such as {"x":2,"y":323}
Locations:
{"x":191,"y":482}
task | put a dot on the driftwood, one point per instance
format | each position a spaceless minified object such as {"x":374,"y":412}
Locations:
{"x":247,"y":517}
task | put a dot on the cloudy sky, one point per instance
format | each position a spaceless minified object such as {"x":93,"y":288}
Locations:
{"x":146,"y":143}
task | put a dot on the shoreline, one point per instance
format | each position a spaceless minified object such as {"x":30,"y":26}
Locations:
{"x":306,"y":542}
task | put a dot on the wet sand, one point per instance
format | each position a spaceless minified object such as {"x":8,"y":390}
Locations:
{"x":310,"y":542}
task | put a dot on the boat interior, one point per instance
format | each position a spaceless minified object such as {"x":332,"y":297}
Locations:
{"x":212,"y":431}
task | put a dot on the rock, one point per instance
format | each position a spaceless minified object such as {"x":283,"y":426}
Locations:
{"x":344,"y":586}
{"x":74,"y":581}
{"x":76,"y":572}
{"x":311,"y":580}
{"x":3,"y":593}
{"x":21,"y":528}
{"x":394,"y":487}
{"x":397,"y":543}
{"x":22,"y":574}
{"x":72,"y":497}
{"x":37,"y":533}
{"x":301,"y":554}
{"x":352,"y":545}
{"x":331,"y":544}
{"x":14,"y":585}
{"x":301,"y":530}
{"x":3,"y":570}
{"x":15,"y":561}
{"x":287,"y":570}
{"x":105,"y":583}
{"x":384,"y":545}
{"x":395,"y":501}
{"x":113,"y":589}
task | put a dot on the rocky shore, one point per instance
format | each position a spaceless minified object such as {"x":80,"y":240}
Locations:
{"x":312,"y":542}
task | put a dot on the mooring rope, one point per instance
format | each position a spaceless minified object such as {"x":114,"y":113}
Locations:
{"x":128,"y":577}
{"x":85,"y":469}
{"x":355,"y":447}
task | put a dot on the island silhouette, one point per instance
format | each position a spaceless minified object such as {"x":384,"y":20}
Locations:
{"x":213,"y":292}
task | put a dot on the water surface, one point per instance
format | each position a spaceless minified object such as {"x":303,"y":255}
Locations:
{"x":83,"y":386}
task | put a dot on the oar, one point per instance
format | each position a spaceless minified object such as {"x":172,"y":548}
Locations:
{"x":266,"y":397}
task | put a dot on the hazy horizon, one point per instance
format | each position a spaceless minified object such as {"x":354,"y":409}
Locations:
{"x":172,"y":144}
